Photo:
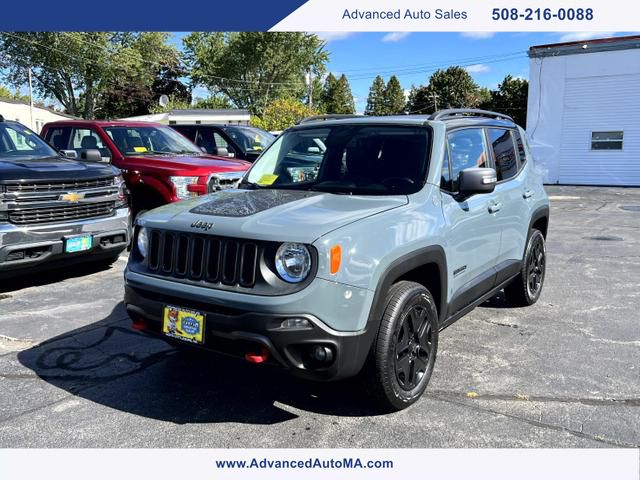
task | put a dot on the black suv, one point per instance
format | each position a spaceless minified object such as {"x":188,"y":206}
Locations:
{"x":239,"y":141}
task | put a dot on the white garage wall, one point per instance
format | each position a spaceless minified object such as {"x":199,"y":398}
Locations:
{"x":610,"y":103}
{"x":573,"y":95}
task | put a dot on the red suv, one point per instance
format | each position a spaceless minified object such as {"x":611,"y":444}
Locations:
{"x":158,"y":164}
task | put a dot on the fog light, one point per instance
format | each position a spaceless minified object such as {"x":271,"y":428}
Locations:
{"x":295,"y":324}
{"x":322,"y":354}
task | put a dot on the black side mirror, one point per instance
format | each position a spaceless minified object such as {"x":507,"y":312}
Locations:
{"x":221,"y":152}
{"x":69,"y":154}
{"x":91,"y":155}
{"x":477,"y":180}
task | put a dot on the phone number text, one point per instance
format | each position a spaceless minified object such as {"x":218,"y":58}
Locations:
{"x":537,"y":14}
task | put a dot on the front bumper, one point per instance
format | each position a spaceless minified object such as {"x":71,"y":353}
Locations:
{"x":239,"y":331}
{"x":23,"y":247}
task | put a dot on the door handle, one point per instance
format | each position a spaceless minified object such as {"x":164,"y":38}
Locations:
{"x":528,"y":194}
{"x":495,"y":207}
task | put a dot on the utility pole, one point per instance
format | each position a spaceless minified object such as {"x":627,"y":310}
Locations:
{"x":31,"y":101}
{"x":308,"y":79}
{"x":434,"y":96}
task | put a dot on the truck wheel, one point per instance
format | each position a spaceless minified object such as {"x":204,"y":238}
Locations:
{"x":525,"y":289}
{"x":402,"y":356}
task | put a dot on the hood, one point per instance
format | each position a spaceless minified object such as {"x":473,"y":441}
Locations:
{"x":275,"y":215}
{"x":51,"y":168}
{"x":173,"y":163}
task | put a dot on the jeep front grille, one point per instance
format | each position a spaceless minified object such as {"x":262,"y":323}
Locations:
{"x":61,"y":214}
{"x":205,"y":258}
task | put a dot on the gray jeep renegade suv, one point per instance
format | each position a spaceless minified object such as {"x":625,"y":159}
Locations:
{"x":349,"y":245}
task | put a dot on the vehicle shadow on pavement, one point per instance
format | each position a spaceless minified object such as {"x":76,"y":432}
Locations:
{"x":109,"y":363}
{"x":47,"y":277}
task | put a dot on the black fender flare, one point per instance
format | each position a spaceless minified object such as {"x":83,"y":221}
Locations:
{"x":433,"y":254}
{"x":538,"y":213}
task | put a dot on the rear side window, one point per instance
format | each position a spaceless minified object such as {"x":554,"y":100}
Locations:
{"x":522,"y":154}
{"x":467,"y":150}
{"x":504,"y":153}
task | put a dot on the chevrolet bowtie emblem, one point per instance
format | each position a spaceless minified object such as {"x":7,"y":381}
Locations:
{"x":71,"y":197}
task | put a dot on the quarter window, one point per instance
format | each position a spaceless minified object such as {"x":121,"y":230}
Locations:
{"x":467,"y":149}
{"x":504,"y":152}
{"x":606,"y":140}
{"x":522,"y":154}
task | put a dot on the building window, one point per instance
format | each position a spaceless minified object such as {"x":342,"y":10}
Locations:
{"x":606,"y":140}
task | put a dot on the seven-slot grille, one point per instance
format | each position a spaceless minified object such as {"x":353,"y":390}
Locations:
{"x":61,"y":214}
{"x":205,"y":258}
{"x":59,"y":187}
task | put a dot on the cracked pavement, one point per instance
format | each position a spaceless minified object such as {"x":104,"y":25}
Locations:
{"x":563,"y":373}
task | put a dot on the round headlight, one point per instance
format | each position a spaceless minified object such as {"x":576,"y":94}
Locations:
{"x":142,"y":241}
{"x":293,"y":262}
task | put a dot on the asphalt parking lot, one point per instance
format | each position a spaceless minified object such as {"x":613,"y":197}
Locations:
{"x":563,"y":373}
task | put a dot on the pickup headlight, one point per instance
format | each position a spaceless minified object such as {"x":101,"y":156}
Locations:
{"x":122,"y":191}
{"x":293,"y":262}
{"x":181,"y":185}
{"x":142,"y":242}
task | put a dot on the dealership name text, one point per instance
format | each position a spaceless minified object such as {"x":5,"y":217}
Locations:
{"x":408,"y":14}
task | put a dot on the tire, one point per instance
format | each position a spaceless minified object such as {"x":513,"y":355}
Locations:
{"x":403,"y":353}
{"x":526,"y":287}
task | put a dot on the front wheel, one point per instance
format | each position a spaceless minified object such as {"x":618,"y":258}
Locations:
{"x":525,"y":289}
{"x":403,"y":354}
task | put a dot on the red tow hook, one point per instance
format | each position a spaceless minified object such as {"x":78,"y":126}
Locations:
{"x":254,"y":357}
{"x":138,"y":324}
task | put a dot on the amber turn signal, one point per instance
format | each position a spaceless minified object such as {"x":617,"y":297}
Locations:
{"x":336,"y":258}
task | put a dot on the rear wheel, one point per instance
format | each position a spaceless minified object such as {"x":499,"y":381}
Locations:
{"x":525,"y":289}
{"x":403,"y":354}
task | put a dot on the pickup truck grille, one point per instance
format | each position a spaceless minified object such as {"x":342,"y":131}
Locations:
{"x":59,"y":187}
{"x":205,"y":258}
{"x":61,"y":214}
{"x":34,"y":203}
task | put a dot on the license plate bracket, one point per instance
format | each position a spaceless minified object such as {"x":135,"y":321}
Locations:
{"x":183,"y":324}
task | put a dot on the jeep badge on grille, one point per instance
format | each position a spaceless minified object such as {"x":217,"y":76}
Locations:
{"x":206,"y":226}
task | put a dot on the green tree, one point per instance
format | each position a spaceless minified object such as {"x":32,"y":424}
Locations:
{"x":150,"y":68}
{"x":281,"y":114}
{"x":77,"y":68}
{"x":213,"y":102}
{"x":6,"y":93}
{"x":336,"y":96}
{"x":450,"y":88}
{"x":510,"y":98}
{"x":255,"y":68}
{"x":394,"y":101}
{"x":376,"y":98}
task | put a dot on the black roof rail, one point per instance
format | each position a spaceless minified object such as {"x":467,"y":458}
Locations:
{"x":329,"y":116}
{"x":468,"y":112}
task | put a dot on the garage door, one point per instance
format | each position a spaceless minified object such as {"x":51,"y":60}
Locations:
{"x":601,"y":131}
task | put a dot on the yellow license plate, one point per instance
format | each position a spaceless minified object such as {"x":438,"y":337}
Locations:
{"x":183,"y":324}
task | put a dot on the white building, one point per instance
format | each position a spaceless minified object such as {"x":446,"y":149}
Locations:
{"x":583,"y":118}
{"x":197,"y":115}
{"x":21,"y":112}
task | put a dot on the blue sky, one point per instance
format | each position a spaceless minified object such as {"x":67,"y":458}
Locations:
{"x":414,"y":56}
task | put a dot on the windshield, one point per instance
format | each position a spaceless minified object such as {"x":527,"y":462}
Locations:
{"x":250,"y":139}
{"x":18,"y":142}
{"x":357,"y":159}
{"x":140,"y":140}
